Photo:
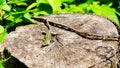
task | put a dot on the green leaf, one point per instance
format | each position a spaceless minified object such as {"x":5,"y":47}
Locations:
{"x":118,"y":13}
{"x":42,"y":1}
{"x":1,"y":65}
{"x":1,"y":29}
{"x":40,"y":12}
{"x":2,"y":2}
{"x":15,"y":18}
{"x":27,"y":16}
{"x":96,"y":8}
{"x":105,"y":10}
{"x":6,"y":7}
{"x":3,"y":36}
{"x":89,"y":1}
{"x":4,"y":60}
{"x":22,"y":4}
{"x":76,"y":9}
{"x":11,"y":18}
{"x":18,"y":19}
{"x":55,"y":4}
{"x":110,"y":13}
{"x":69,"y":1}
{"x":66,"y":9}
{"x":85,"y":8}
{"x":1,"y":14}
{"x":31,"y":6}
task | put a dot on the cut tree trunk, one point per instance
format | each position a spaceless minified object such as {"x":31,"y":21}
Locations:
{"x":78,"y":41}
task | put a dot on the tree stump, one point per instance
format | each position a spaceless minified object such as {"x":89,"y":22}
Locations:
{"x":78,"y":41}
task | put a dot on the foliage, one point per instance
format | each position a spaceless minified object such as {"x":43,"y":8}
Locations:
{"x":17,"y":12}
{"x":4,"y":60}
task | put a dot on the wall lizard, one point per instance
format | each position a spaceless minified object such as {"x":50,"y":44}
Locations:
{"x":83,"y":34}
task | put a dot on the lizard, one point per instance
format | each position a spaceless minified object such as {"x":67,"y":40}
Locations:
{"x":83,"y":34}
{"x":47,"y":37}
